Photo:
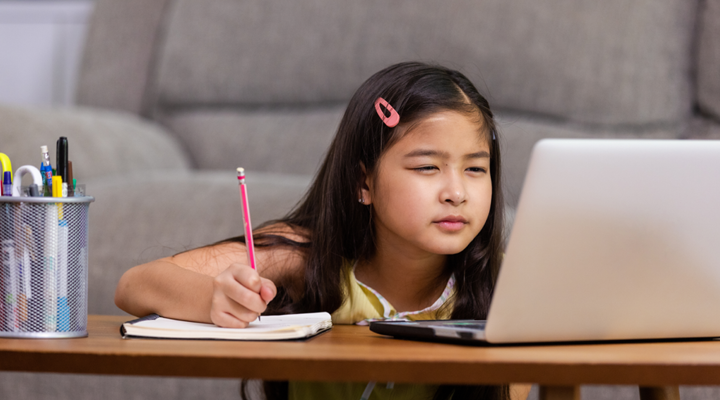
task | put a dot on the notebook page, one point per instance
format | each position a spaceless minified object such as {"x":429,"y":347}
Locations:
{"x":270,"y":323}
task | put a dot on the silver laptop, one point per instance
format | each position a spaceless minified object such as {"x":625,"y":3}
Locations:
{"x":612,"y":240}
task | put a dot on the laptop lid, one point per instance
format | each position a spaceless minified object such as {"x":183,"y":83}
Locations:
{"x":613,"y":240}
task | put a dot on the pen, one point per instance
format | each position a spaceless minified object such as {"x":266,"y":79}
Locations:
{"x":63,"y":310}
{"x":36,"y":240}
{"x":19,"y":274}
{"x":10,"y":217}
{"x":46,"y":171}
{"x":50,"y":293}
{"x":246,"y":219}
{"x":70,"y":181}
{"x":26,"y":271}
{"x":24,"y":285}
{"x":11,"y":280}
{"x":7,"y":183}
{"x":62,"y":163}
{"x":49,"y":261}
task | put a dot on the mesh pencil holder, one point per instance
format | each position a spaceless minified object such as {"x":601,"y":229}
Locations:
{"x":44,"y":270}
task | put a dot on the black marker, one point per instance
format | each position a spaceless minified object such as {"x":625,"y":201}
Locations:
{"x":62,"y":162}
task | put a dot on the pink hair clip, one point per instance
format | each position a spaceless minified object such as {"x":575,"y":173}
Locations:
{"x":394,"y":117}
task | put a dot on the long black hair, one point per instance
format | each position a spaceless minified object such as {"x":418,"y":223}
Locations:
{"x":337,"y":228}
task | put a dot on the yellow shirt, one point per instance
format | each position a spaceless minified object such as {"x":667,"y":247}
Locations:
{"x":363,"y":304}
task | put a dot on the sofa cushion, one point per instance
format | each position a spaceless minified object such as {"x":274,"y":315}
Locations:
{"x":519,"y":133}
{"x":119,"y":52}
{"x":273,"y":140}
{"x":708,"y":69}
{"x":614,"y":61}
{"x":101,"y":143}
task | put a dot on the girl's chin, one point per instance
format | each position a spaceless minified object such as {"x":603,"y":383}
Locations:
{"x":448,"y":249}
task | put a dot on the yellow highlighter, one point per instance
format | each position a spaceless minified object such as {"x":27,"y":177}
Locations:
{"x":6,"y":165}
{"x":57,"y":192}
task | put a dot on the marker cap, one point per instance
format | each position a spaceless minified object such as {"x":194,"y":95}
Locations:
{"x":62,"y":158}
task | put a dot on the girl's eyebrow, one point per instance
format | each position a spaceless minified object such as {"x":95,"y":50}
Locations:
{"x":443,"y":154}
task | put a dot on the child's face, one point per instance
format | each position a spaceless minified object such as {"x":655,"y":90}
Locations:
{"x":431,"y":192}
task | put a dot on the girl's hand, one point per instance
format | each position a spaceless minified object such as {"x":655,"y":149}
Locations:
{"x":240,"y":294}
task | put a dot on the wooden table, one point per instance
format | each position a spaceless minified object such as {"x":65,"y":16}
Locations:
{"x":353,"y":353}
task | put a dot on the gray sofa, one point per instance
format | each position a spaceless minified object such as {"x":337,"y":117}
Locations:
{"x":175,"y":94}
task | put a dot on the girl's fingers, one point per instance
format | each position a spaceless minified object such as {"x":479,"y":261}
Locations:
{"x":227,"y":320}
{"x":227,"y":313}
{"x":246,"y":276}
{"x":250,"y":279}
{"x":268,"y":291}
{"x":238,"y":293}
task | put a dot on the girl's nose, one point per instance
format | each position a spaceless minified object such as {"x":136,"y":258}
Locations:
{"x":454,"y":191}
{"x":455,"y":198}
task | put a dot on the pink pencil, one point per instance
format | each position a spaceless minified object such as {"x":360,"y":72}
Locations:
{"x":246,"y":217}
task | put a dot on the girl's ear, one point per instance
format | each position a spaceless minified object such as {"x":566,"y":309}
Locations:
{"x":364,"y":195}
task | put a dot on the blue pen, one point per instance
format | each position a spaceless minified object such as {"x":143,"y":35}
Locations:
{"x":63,"y":310}
{"x":7,"y":184}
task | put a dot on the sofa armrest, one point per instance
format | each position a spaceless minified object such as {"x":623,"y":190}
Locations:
{"x":101,"y":143}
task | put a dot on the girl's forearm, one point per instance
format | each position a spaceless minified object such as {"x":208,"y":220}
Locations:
{"x":165,"y":288}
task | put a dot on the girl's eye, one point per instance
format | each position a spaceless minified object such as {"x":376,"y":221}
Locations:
{"x":426,"y":168}
{"x":477,"y":169}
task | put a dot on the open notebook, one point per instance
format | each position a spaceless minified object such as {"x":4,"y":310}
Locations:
{"x":271,"y":327}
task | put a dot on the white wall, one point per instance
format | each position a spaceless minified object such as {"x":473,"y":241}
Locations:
{"x":40,"y":49}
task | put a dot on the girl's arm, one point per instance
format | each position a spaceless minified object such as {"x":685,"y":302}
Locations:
{"x":519,"y":391}
{"x":212,"y":284}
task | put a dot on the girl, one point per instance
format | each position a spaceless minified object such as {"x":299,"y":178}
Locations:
{"x":403,"y":220}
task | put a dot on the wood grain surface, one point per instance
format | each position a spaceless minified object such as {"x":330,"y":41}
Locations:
{"x":353,"y":353}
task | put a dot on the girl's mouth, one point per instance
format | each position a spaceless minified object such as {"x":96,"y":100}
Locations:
{"x":451,"y":223}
